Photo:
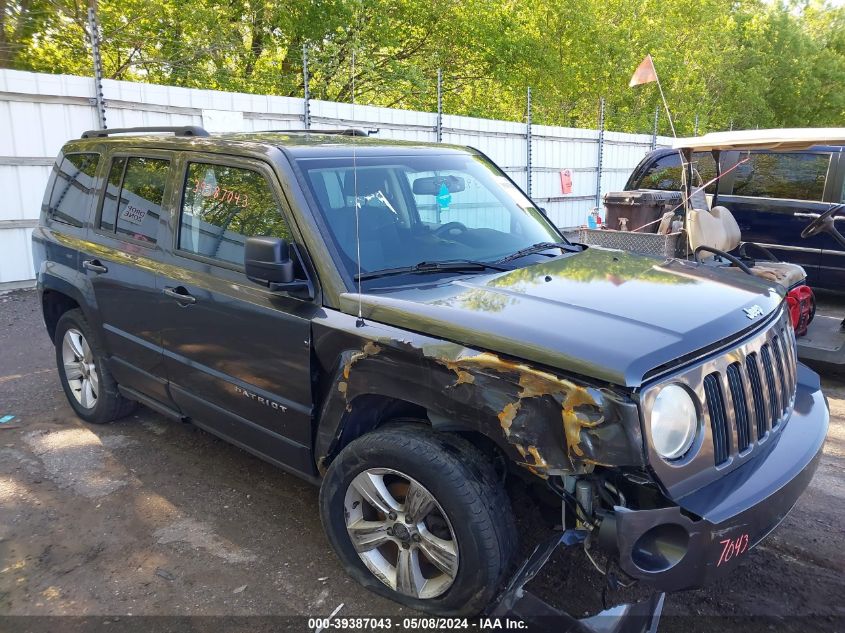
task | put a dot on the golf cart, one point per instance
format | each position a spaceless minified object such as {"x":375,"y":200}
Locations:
{"x":691,"y":224}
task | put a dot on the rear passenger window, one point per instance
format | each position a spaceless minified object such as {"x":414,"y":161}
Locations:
{"x":73,"y":189}
{"x":133,"y":198}
{"x":222,"y":206}
{"x":794,"y":176}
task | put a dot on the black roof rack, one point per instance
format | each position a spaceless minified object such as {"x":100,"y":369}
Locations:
{"x":183,"y":130}
{"x":350,"y":131}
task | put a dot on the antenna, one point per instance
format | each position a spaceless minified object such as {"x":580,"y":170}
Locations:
{"x":360,"y":321}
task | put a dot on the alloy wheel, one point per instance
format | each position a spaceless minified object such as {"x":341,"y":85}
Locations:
{"x":80,"y":369}
{"x":401,"y":533}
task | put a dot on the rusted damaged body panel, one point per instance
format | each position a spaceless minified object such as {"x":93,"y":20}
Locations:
{"x":544,"y":422}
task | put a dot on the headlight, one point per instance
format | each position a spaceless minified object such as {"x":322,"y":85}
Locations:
{"x":674,"y":422}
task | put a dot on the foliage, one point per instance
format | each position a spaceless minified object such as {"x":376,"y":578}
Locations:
{"x":745,"y":63}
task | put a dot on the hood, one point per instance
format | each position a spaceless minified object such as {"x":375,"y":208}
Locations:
{"x":609,"y":315}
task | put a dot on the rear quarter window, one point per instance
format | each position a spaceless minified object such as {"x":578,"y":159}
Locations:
{"x":72,"y":193}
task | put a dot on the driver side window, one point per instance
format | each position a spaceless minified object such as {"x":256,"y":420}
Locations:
{"x":222,"y":206}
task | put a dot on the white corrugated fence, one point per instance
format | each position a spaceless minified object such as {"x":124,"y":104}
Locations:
{"x":40,"y":112}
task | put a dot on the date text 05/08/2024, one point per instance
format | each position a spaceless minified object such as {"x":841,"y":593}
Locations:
{"x":415,"y":624}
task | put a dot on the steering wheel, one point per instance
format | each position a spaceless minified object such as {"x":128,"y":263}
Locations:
{"x":450,"y":228}
{"x":824,"y":223}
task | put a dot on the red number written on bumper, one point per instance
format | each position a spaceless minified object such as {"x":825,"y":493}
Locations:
{"x":732,"y":548}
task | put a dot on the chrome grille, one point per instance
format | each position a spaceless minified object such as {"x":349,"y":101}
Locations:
{"x":780,"y":369}
{"x":760,"y":382}
{"x":718,"y":417}
{"x":752,"y":369}
{"x":774,"y":392}
{"x":746,"y":393}
{"x":741,"y":413}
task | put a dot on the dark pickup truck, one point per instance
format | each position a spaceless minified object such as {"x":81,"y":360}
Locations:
{"x":398,"y":323}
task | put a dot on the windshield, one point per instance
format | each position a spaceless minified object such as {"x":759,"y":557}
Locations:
{"x":426,"y":208}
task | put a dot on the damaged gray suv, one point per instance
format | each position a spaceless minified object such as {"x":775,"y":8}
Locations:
{"x":399,"y":324}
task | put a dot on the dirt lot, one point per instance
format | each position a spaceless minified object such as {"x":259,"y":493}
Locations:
{"x":153,"y":517}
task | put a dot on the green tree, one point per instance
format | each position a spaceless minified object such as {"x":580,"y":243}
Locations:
{"x":746,"y":63}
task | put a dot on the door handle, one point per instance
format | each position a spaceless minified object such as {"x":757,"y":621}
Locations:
{"x":180,"y":294}
{"x":95,"y":266}
{"x":805,"y":215}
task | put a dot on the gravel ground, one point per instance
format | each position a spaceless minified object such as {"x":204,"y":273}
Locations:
{"x":153,"y":517}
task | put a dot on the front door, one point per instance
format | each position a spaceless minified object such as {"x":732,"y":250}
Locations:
{"x":121,"y":260}
{"x":238,"y":355}
{"x":773,"y":196}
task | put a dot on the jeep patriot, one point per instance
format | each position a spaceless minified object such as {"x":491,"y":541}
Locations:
{"x":399,"y":324}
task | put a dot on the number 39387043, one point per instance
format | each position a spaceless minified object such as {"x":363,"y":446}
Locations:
{"x":732,"y":548}
{"x":221,"y":194}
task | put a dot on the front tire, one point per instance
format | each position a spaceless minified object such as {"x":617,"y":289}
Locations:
{"x":89,"y":386}
{"x":419,"y":517}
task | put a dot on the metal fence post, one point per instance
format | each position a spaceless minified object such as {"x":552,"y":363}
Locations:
{"x":94,"y":34}
{"x":601,"y":152}
{"x":654,"y":131}
{"x":439,"y":105}
{"x":528,"y":144}
{"x":306,"y":114}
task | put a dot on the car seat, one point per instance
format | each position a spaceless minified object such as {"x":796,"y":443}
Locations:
{"x":378,"y":226}
{"x":713,"y":233}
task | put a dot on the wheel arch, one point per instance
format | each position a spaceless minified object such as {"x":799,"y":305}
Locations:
{"x":57,"y":297}
{"x":541,"y":420}
{"x":389,"y":381}
{"x":370,"y":411}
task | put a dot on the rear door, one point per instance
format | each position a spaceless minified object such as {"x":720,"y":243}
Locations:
{"x":238,"y":355}
{"x":774,"y":195}
{"x":121,"y":259}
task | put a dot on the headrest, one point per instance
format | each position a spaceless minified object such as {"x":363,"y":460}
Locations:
{"x":369,"y":181}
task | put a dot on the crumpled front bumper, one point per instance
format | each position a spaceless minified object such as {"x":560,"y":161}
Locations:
{"x":536,"y":615}
{"x":694,"y":542}
{"x":703,"y":537}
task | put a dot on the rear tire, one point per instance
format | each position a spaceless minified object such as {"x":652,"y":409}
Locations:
{"x":89,"y":386}
{"x":450,"y":522}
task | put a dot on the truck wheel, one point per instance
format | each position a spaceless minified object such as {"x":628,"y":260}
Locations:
{"x":419,"y":517}
{"x":89,"y":387}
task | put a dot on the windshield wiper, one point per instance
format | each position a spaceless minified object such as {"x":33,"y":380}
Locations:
{"x":536,"y":248}
{"x":432,"y":267}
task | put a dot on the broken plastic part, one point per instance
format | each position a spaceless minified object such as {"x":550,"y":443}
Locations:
{"x":514,"y":602}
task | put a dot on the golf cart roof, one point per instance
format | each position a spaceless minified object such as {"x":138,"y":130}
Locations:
{"x":778,"y":139}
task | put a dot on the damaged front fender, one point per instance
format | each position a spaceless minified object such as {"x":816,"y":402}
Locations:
{"x":546,"y":423}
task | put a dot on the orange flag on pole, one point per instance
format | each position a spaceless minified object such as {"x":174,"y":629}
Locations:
{"x":645,"y":73}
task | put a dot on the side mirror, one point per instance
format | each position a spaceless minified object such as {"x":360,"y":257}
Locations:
{"x":267,"y":262}
{"x":267,"y":259}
